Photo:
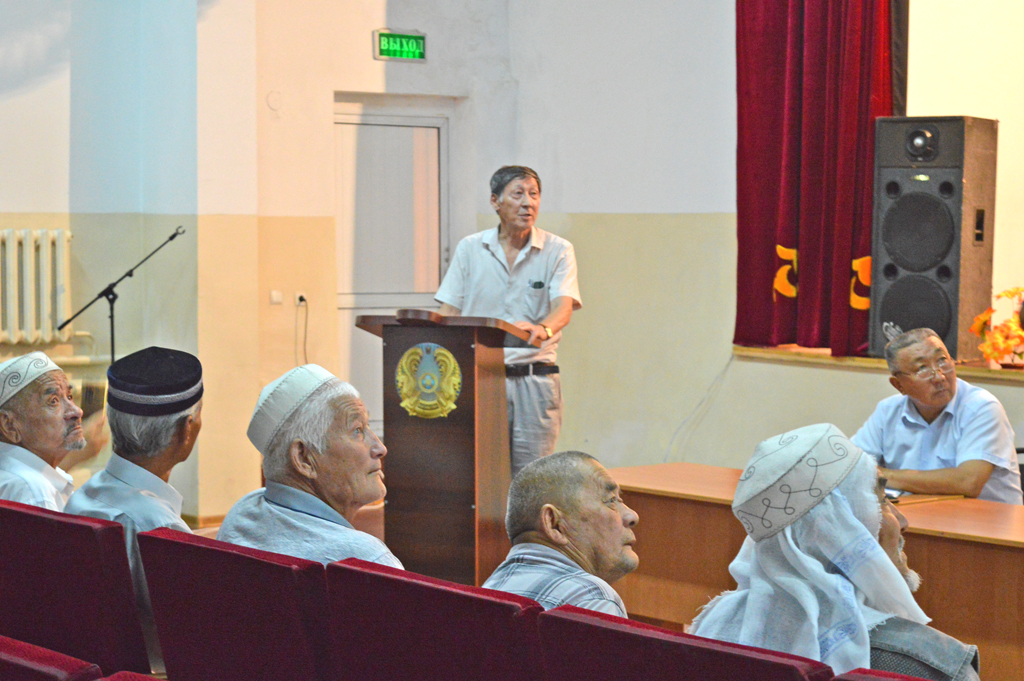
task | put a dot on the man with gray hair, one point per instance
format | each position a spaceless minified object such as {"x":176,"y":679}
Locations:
{"x":572,"y":536}
{"x":39,"y":425}
{"x":154,"y":408}
{"x":940,"y":435}
{"x":525,"y":276}
{"x":822,"y":573}
{"x":322,"y":464}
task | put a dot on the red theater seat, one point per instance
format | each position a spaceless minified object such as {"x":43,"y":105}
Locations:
{"x":26,"y":662}
{"x":65,"y":585}
{"x":392,"y":624}
{"x":128,"y":676}
{"x":226,"y":612}
{"x":874,"y":675}
{"x":590,"y":646}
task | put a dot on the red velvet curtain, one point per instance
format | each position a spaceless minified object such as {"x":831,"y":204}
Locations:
{"x":812,"y":76}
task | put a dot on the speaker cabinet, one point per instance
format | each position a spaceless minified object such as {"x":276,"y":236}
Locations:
{"x":931,"y":247}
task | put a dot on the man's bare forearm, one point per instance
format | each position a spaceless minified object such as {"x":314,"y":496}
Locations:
{"x":967,"y":479}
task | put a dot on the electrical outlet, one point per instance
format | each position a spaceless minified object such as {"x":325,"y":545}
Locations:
{"x":301,"y":299}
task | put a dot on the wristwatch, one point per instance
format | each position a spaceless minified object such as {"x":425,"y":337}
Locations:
{"x":548,"y":331}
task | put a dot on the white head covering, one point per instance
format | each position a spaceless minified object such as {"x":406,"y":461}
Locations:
{"x":816,"y":581}
{"x":280,"y":398}
{"x":19,"y":372}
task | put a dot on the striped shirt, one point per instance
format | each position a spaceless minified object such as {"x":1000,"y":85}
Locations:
{"x":553,"y":579}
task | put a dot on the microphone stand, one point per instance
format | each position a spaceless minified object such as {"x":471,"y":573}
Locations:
{"x":111,"y":295}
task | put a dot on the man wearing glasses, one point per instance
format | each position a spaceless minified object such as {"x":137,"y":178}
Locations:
{"x":940,"y":435}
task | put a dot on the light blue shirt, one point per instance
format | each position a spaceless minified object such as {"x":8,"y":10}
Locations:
{"x":140,"y":501}
{"x":973,"y":426}
{"x":286,"y":520}
{"x":27,"y":479}
{"x":553,"y":579}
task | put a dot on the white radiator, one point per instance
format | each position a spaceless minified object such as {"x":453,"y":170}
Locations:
{"x":35,"y":285}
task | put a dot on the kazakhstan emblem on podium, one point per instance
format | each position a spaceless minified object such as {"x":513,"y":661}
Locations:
{"x":428,"y":380}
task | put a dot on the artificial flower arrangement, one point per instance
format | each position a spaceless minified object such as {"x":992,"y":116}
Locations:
{"x":1004,"y":340}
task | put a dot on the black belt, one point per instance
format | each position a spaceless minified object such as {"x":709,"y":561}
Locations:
{"x":536,"y":369}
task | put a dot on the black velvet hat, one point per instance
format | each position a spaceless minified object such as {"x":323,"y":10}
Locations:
{"x":155,"y":382}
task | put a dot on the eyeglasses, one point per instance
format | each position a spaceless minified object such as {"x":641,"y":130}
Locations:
{"x":927,"y":372}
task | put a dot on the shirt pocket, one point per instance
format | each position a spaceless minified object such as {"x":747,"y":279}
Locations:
{"x":537,"y":303}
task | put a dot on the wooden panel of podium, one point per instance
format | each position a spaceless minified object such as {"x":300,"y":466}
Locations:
{"x":446,"y":429}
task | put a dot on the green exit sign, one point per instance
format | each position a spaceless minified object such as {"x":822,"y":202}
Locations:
{"x":401,"y":45}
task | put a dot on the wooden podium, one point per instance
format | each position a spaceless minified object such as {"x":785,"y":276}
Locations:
{"x":447,"y":474}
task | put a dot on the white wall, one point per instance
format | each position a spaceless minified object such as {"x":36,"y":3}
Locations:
{"x":34,"y":103}
{"x":627,"y":107}
{"x":226,"y":108}
{"x":967,"y":59}
{"x":34,"y":146}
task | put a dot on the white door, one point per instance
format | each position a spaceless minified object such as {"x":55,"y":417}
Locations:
{"x":390,"y":216}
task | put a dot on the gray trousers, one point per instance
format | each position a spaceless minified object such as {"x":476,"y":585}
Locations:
{"x":534,"y":417}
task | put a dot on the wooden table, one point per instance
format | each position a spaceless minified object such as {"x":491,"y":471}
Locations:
{"x":686,"y":538}
{"x":971,"y":555}
{"x":969,"y":552}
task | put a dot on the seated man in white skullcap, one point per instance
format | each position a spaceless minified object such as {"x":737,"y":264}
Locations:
{"x":822,"y":573}
{"x":154,"y":407}
{"x":571,"y":533}
{"x":322,"y":464}
{"x":39,"y":425}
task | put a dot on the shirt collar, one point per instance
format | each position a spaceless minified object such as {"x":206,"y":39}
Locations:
{"x":138,"y":477}
{"x":60,"y":480}
{"x":303,"y":502}
{"x":490,"y":239}
{"x":540,"y":550}
{"x":910,"y":412}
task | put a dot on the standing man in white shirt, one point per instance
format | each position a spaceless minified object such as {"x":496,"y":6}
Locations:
{"x":154,"y":407}
{"x":39,"y":425}
{"x":525,"y":276}
{"x":940,"y":435}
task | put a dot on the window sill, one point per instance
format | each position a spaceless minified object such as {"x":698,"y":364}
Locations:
{"x":795,"y":355}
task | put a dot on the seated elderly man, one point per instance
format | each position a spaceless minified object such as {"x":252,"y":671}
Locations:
{"x":322,"y":464}
{"x":822,"y":573}
{"x":571,"y":535}
{"x":154,"y":405}
{"x":940,"y":435}
{"x":39,"y":425}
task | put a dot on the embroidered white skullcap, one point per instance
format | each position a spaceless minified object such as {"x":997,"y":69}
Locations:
{"x":790,"y":474}
{"x":19,"y":372}
{"x":280,"y":398}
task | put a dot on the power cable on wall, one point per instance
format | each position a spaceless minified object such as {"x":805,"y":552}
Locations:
{"x":301,"y":301}
{"x":696,"y":416}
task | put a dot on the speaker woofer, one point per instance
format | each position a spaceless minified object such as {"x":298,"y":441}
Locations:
{"x":914,"y":302}
{"x":918,"y":232}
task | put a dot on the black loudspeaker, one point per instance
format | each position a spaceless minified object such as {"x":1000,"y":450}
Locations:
{"x":931,"y":245}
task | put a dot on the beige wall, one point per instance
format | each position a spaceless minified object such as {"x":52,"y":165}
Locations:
{"x":648,"y":373}
{"x":227,"y":465}
{"x":967,"y":59}
{"x":305,"y":52}
{"x":654,"y":331}
{"x":297,"y":254}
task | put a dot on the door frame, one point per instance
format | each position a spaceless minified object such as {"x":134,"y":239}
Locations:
{"x":440,"y":123}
